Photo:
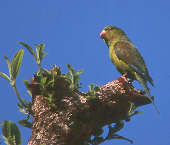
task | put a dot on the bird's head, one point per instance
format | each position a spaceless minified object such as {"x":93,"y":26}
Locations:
{"x":112,"y":33}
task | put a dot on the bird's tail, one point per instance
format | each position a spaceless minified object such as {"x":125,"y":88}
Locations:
{"x":143,"y":82}
{"x":148,"y":93}
{"x":148,"y":77}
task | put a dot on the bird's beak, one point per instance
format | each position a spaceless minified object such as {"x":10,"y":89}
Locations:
{"x":103,"y":34}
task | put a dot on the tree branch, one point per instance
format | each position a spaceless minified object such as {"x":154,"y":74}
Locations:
{"x":63,"y":116}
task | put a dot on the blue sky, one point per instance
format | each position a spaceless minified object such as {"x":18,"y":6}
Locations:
{"x":70,"y":30}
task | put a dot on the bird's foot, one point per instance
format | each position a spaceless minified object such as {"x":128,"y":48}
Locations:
{"x":142,"y":92}
{"x":125,"y":75}
{"x":130,"y":81}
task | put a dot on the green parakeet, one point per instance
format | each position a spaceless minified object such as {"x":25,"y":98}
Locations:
{"x":125,"y":56}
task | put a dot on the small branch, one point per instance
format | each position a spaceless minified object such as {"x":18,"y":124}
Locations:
{"x":18,"y":96}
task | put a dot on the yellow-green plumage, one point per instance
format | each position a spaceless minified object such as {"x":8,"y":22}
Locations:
{"x":120,"y":65}
{"x":125,"y":56}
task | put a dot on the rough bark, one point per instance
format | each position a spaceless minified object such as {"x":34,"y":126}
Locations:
{"x":73,"y":118}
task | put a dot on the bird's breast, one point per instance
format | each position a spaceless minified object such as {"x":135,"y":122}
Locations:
{"x":122,"y":66}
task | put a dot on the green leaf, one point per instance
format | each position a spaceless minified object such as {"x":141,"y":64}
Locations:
{"x":16,"y":132}
{"x":29,"y":49}
{"x":96,"y":88}
{"x":9,"y":66}
{"x":22,"y":108}
{"x":74,"y":77}
{"x":11,"y":133}
{"x":5,"y":128}
{"x":7,"y":140}
{"x":16,"y":63}
{"x":40,"y":53}
{"x":43,"y":80}
{"x":27,"y":86}
{"x":3,"y":75}
{"x":91,"y":87}
{"x":131,"y":109}
{"x":25,"y":123}
{"x":93,"y":91}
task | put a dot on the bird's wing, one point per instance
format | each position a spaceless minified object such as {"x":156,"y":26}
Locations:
{"x":128,"y":53}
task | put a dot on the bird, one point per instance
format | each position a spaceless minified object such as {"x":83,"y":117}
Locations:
{"x":126,"y":57}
